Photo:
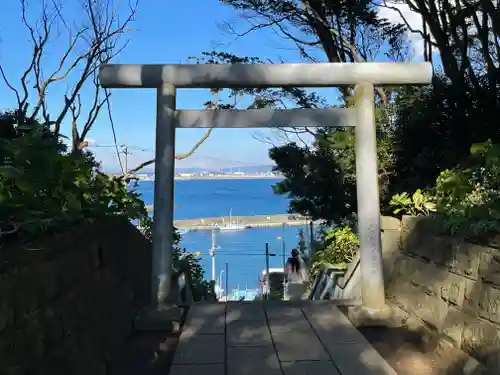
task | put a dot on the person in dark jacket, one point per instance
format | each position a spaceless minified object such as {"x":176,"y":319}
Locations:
{"x":296,"y":277}
{"x":293,"y":263}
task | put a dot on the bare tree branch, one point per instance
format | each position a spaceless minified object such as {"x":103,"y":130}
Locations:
{"x":127,"y":175}
{"x":94,"y":110}
{"x":196,"y":146}
{"x":9,"y":85}
{"x":93,"y":39}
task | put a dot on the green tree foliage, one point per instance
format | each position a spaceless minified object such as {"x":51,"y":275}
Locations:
{"x":45,"y":188}
{"x":302,"y":244}
{"x":468,"y":196}
{"x":434,"y":129}
{"x":321,"y":180}
{"x":424,"y":134}
{"x":345,"y":30}
{"x":313,"y":181}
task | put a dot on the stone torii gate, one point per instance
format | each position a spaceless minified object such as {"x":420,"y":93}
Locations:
{"x":166,"y":79}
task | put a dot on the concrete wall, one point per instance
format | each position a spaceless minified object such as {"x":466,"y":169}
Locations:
{"x":450,"y":286}
{"x":68,"y":302}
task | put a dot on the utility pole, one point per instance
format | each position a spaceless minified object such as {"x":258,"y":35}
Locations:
{"x":311,"y":234}
{"x":283,"y":254}
{"x":220,"y":284}
{"x":267,"y":272}
{"x":125,"y":151}
{"x":227,"y":279}
{"x":283,"y":250}
{"x":212,"y":254}
{"x":122,"y":149}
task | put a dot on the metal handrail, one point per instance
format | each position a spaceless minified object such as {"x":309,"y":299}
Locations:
{"x":184,"y":286}
{"x":325,"y":281}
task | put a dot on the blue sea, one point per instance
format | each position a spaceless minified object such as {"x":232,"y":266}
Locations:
{"x":243,"y":251}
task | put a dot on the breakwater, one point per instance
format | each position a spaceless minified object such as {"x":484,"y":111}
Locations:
{"x":259,"y":221}
{"x":262,"y":221}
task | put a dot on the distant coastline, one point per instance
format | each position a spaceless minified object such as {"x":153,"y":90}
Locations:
{"x":207,"y":177}
{"x":229,"y":177}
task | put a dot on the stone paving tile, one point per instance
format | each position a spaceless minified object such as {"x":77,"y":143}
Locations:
{"x":245,"y":311}
{"x":198,"y":349}
{"x":204,"y":325}
{"x":326,"y":316}
{"x":280,"y":311}
{"x":309,"y":368}
{"x":359,"y":359}
{"x":248,"y":333}
{"x":298,"y":345}
{"x":347,"y":347}
{"x":206,"y":369}
{"x":257,"y":360}
{"x":331,"y":325}
{"x":300,"y":336}
{"x":205,"y":318}
{"x":289,"y":324}
{"x":207,"y":309}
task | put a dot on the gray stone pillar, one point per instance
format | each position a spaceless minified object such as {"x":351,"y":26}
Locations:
{"x":372,"y":278}
{"x":164,"y":195}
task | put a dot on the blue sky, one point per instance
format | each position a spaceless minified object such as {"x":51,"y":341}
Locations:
{"x":164,"y":33}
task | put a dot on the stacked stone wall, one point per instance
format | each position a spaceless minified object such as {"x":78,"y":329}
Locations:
{"x":68,"y":302}
{"x":451,"y":286}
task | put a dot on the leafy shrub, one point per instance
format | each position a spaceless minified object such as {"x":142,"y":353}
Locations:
{"x":182,"y":261}
{"x":466,"y":197}
{"x":43,"y":187}
{"x":276,"y":287}
{"x":420,"y":203}
{"x":469,"y":196}
{"x":338,"y":247}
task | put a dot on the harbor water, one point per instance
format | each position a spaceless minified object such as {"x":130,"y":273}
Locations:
{"x":243,"y":251}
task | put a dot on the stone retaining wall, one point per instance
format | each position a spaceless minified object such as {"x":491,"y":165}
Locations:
{"x":68,"y":302}
{"x":451,"y":286}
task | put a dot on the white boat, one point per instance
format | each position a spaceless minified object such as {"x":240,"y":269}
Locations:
{"x":183,"y":230}
{"x":231,"y":226}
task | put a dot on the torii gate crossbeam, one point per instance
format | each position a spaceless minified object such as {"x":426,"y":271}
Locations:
{"x":364,"y":76}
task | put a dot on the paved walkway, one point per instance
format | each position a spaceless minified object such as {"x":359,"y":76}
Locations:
{"x":253,"y":338}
